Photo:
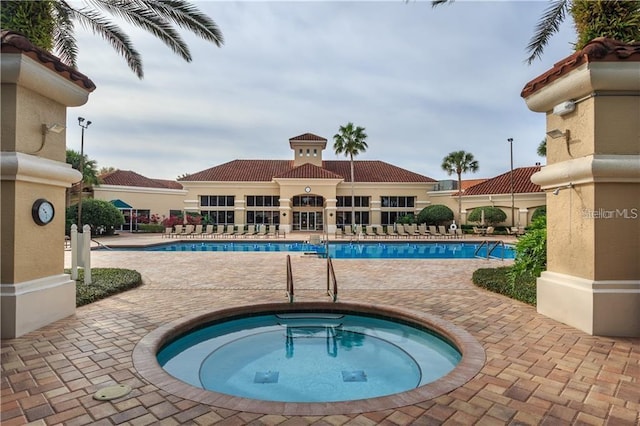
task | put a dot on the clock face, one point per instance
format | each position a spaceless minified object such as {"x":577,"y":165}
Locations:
{"x":42,"y":211}
{"x":307,"y":189}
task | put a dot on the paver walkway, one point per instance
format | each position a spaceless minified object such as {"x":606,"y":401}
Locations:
{"x":538,"y":371}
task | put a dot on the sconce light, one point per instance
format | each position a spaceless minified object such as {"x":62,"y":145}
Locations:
{"x":555,"y":134}
{"x":53,"y":128}
{"x":284,"y":214}
{"x":560,"y":188}
{"x":330,"y":214}
{"x":48,"y":128}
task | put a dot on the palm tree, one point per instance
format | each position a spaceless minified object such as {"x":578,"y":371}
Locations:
{"x":542,"y":148}
{"x":617,"y":19}
{"x":89,"y":172}
{"x":49,"y":24}
{"x":350,"y":141}
{"x":459,"y":162}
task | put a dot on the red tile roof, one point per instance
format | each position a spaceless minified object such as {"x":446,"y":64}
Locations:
{"x":600,"y":49}
{"x":308,"y":171}
{"x":502,"y":184}
{"x":266,"y":170}
{"x":129,"y":178}
{"x":307,"y":137}
{"x":13,"y":42}
{"x":468,"y":183}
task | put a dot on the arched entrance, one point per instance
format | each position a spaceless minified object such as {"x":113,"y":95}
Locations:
{"x":308,"y":213}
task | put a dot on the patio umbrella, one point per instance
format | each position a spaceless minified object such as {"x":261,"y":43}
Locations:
{"x":482,"y":217}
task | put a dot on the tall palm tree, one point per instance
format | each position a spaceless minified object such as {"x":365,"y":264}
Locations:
{"x":50,"y":25}
{"x":350,"y":141}
{"x":89,"y":172}
{"x":459,"y":162}
{"x":617,"y":19}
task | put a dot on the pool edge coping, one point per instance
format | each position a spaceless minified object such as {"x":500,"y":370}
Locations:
{"x":146,"y":365}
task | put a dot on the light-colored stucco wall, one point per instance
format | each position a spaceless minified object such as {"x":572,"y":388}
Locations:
{"x":158,"y":201}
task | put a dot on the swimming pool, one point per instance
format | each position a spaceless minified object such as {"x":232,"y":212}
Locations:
{"x":309,"y":357}
{"x":349,"y":250}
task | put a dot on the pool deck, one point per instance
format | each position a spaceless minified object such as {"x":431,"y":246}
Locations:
{"x":537,"y":371}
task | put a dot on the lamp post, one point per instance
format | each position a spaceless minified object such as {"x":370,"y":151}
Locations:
{"x":513,"y":218}
{"x":83,"y":125}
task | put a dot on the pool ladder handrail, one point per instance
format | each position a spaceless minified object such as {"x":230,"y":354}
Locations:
{"x":289,"y":280}
{"x":332,"y":291}
{"x":490,"y":248}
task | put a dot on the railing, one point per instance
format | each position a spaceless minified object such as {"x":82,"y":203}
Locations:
{"x":289,"y":280}
{"x":101,"y":245}
{"x":331,"y":278}
{"x":491,"y":246}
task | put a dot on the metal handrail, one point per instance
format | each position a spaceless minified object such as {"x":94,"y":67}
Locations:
{"x":490,"y":248}
{"x":289,"y":280}
{"x":101,"y":245}
{"x":331,"y":277}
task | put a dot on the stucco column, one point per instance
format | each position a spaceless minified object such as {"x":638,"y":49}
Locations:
{"x":36,"y":91}
{"x":592,"y":181}
{"x":285,"y":215}
{"x":376,"y":212}
{"x":330,"y":215}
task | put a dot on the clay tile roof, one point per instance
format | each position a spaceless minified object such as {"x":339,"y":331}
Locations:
{"x":468,"y":183}
{"x":242,"y":171}
{"x":13,"y":42}
{"x":307,"y":137}
{"x":170,"y":184}
{"x":308,"y":171}
{"x":266,"y":170}
{"x":129,"y":178}
{"x":502,"y":184}
{"x":373,"y":171}
{"x":600,"y":49}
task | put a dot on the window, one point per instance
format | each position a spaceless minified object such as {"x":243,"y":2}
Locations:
{"x":344,"y":218}
{"x":315,"y":152}
{"x":393,"y":202}
{"x":217,"y":200}
{"x":263,"y":200}
{"x":346,"y":201}
{"x":300,"y":152}
{"x":389,"y":218}
{"x":268,"y":217}
{"x":219,"y":217}
{"x":308,"y":201}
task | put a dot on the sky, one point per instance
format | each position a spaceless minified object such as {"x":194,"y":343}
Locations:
{"x":423,"y":82}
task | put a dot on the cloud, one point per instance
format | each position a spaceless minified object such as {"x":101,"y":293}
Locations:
{"x":422,"y":81}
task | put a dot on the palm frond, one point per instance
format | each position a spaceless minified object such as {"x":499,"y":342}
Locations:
{"x":435,"y":3}
{"x":65,"y":46}
{"x":137,"y":14}
{"x":549,"y":24}
{"x":187,"y":16}
{"x":112,"y":34}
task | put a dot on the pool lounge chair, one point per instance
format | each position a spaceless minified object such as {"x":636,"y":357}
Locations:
{"x":262,"y":231}
{"x":197,"y":232}
{"x":219,"y":231}
{"x":380,"y":231}
{"x":271,"y":231}
{"x":390,"y":232}
{"x":339,"y":233}
{"x":229,"y":232}
{"x":401,"y":232}
{"x":177,"y":231}
{"x":251,"y":231}
{"x":370,"y":232}
{"x":423,"y":232}
{"x":442,"y":230}
{"x":208,"y":231}
{"x":348,"y":232}
{"x":433,"y":231}
{"x":187,"y":231}
{"x":490,"y":230}
{"x":168,"y":233}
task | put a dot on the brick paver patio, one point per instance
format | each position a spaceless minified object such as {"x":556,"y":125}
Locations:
{"x":537,"y":371}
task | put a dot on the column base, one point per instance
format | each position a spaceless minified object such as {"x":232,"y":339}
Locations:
{"x":603,"y":308}
{"x":29,"y":305}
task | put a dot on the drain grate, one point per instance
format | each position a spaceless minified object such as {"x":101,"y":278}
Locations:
{"x":266,"y":377}
{"x":354,"y":376}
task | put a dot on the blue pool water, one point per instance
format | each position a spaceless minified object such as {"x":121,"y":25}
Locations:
{"x":349,"y":250}
{"x":309,"y":357}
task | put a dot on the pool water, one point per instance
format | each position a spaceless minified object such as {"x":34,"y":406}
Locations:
{"x":350,"y":250}
{"x":309,"y":357}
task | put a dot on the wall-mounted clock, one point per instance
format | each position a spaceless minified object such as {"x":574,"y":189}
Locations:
{"x":307,"y":189}
{"x":42,"y":211}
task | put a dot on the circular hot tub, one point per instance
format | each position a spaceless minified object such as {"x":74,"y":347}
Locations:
{"x":309,"y":358}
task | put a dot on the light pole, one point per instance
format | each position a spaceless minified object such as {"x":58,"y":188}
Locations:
{"x":81,"y":123}
{"x":513,"y":218}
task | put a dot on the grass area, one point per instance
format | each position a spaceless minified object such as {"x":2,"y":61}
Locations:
{"x":105,"y":282}
{"x":498,"y":281}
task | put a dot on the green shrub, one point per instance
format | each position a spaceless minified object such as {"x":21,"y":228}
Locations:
{"x":498,"y":280}
{"x":492,"y":215}
{"x":531,"y":252}
{"x":102,"y":216}
{"x":106,"y":282}
{"x":437,"y":214}
{"x":150,"y":227}
{"x":539,"y":212}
